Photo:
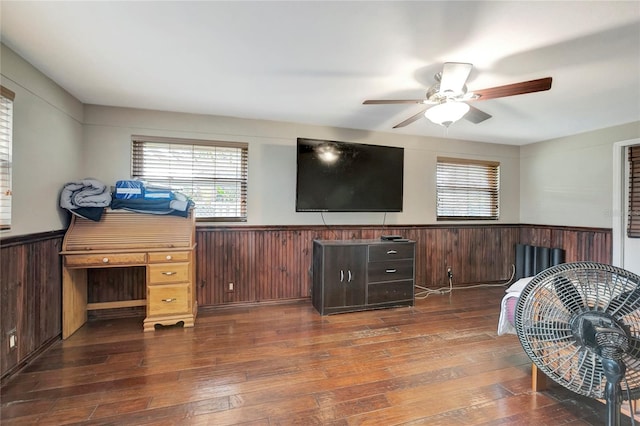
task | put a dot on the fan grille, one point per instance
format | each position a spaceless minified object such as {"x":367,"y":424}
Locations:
{"x":550,"y":322}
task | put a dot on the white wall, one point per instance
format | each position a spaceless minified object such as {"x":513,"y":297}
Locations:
{"x":272,"y":161}
{"x":565,"y":181}
{"x":47,"y":145}
{"x":569,"y":181}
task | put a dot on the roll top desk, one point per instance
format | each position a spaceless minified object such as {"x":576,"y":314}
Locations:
{"x":163,"y":244}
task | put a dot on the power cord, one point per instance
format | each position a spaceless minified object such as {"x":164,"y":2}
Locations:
{"x":426,"y":292}
{"x":327,"y":226}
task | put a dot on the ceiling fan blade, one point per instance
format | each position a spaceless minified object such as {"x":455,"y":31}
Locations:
{"x":454,"y":77}
{"x":539,"y":85}
{"x":410,"y":119}
{"x":476,"y":116}
{"x":394,"y":101}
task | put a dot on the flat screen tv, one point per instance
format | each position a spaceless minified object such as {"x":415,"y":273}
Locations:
{"x":348,"y":177}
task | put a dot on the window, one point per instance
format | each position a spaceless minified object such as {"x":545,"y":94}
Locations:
{"x":212,"y":173}
{"x":633,"y":229}
{"x":6,"y":137}
{"x":467,"y":189}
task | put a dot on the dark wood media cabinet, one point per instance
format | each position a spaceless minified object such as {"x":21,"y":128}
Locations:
{"x":356,"y":275}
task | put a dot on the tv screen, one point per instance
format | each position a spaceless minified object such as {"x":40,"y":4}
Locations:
{"x":348,"y":177}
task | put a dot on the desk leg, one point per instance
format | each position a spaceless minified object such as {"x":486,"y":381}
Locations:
{"x":74,"y":300}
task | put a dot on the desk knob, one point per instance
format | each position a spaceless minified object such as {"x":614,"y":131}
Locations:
{"x":105,"y":260}
{"x":168,"y":257}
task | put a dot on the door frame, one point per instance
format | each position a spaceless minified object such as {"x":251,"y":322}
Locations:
{"x":619,"y":200}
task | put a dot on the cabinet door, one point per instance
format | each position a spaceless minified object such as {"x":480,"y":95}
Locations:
{"x":345,"y":276}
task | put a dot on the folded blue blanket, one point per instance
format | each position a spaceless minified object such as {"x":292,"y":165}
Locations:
{"x":140,"y":205}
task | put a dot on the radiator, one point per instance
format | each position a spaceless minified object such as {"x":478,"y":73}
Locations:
{"x":531,"y":260}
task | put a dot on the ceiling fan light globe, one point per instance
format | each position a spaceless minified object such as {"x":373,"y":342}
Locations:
{"x":446,"y":113}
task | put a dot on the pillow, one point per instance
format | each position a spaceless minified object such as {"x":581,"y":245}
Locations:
{"x":519,"y":285}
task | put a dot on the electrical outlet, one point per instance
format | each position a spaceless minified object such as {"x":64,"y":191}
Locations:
{"x":13,"y":339}
{"x":230,"y":287}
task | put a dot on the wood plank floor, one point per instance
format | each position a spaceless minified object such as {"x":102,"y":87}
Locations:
{"x":438,"y":363}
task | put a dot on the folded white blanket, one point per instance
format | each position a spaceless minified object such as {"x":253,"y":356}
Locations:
{"x":507,"y":312}
{"x":519,"y":285}
{"x":88,"y":192}
{"x":507,"y":306}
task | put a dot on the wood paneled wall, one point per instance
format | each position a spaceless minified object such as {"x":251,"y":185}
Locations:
{"x":31,"y":297}
{"x":274,"y":263}
{"x":264,"y":264}
{"x":580,"y":244}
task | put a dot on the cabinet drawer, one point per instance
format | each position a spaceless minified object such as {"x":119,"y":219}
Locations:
{"x":168,"y":299}
{"x":169,"y":256}
{"x":382,"y":252}
{"x":102,"y":260}
{"x":390,"y":292}
{"x":394,"y":270}
{"x":163,"y":273}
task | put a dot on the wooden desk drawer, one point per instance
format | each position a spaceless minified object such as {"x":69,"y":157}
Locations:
{"x":169,"y":256}
{"x":163,"y":273}
{"x":168,"y":299}
{"x":105,"y":259}
{"x":391,"y":251}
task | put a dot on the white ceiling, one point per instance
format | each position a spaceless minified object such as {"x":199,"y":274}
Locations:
{"x":315,"y":62}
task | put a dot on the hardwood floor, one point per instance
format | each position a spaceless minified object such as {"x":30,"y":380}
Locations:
{"x":438,"y":363}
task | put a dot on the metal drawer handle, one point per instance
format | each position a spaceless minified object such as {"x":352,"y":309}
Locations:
{"x":169,"y":300}
{"x":169,"y":273}
{"x":392,"y":252}
{"x":349,"y":276}
{"x":105,"y":260}
{"x":391,"y":271}
{"x":168,"y":257}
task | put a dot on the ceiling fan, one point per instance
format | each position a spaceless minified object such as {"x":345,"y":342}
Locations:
{"x":449,"y":95}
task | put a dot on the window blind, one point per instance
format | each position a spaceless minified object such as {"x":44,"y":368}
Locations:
{"x":633,"y":227}
{"x":467,"y":189}
{"x":6,"y":138}
{"x":212,"y":173}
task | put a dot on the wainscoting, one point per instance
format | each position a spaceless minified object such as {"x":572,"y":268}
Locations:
{"x":265,"y":264}
{"x":275,"y":263}
{"x":31,"y":297}
{"x":580,"y":244}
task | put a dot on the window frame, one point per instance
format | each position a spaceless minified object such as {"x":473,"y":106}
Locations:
{"x":490,"y":191}
{"x":633,"y":221}
{"x":240,"y":181}
{"x":6,"y":156}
